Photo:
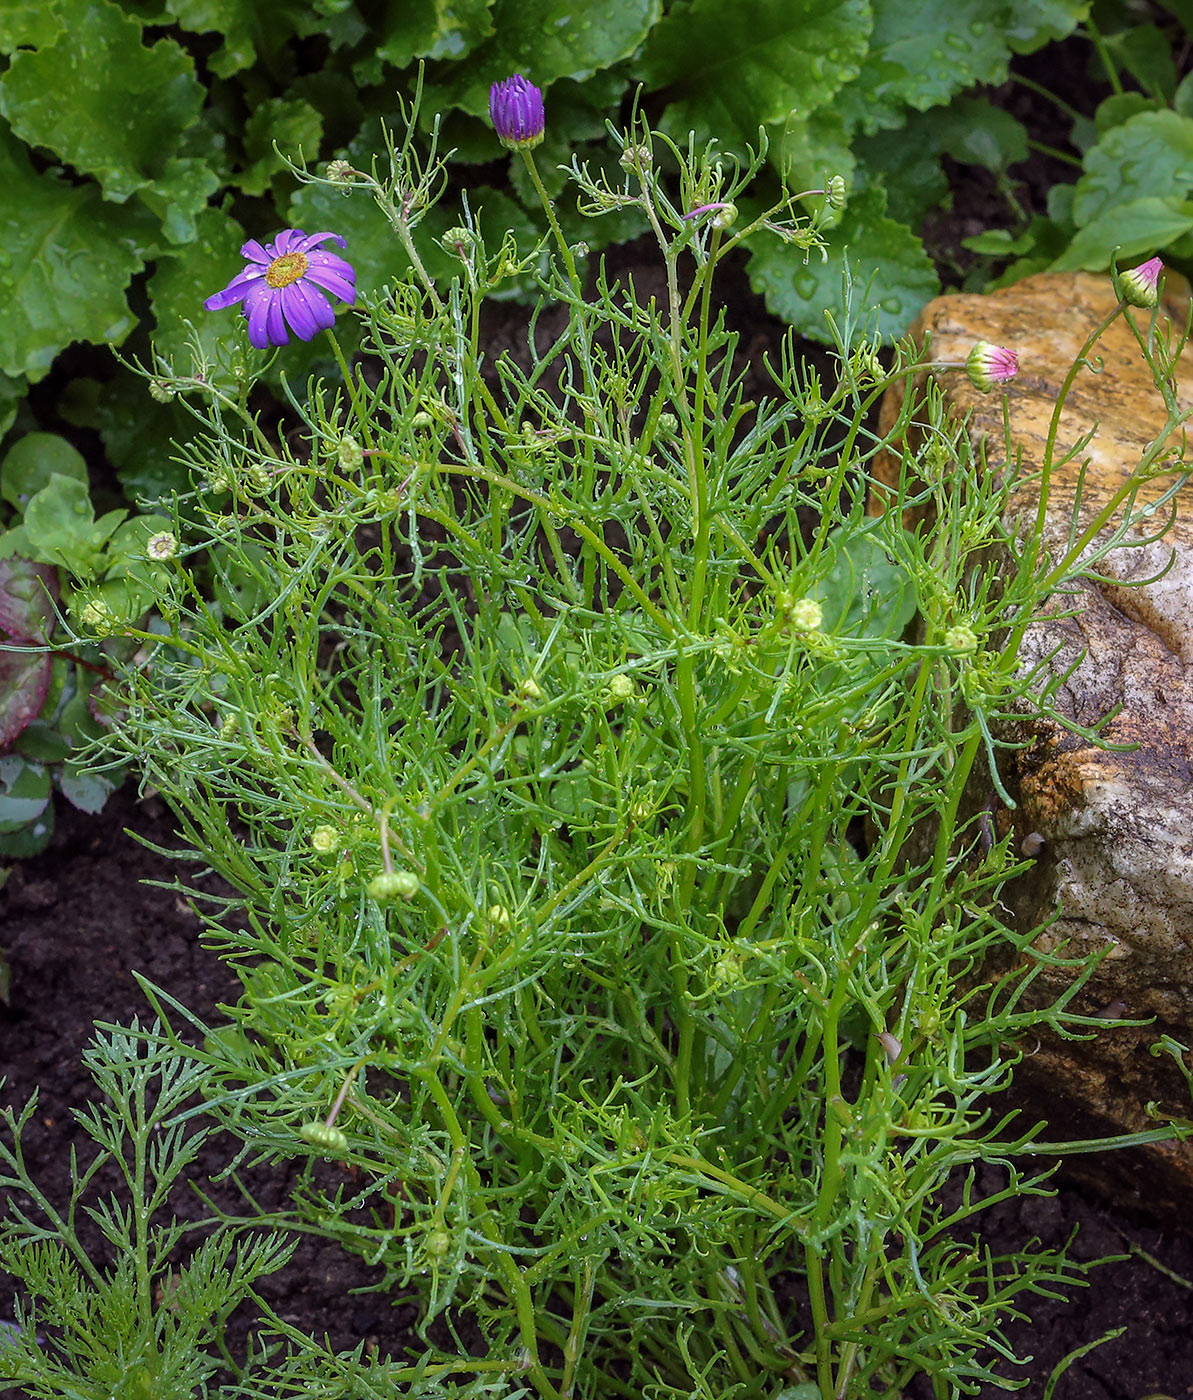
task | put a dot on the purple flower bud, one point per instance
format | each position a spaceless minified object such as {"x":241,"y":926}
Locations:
{"x":280,"y":287}
{"x":516,"y":110}
{"x":1139,"y":286}
{"x":988,"y":365}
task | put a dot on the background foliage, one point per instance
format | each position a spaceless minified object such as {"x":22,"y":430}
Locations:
{"x":137,"y":145}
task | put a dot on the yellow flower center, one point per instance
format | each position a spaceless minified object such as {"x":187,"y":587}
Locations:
{"x":286,"y":269}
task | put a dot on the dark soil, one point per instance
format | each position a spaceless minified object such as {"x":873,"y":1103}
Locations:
{"x":77,"y":920}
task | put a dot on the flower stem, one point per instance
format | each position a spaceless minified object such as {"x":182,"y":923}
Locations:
{"x":549,"y":209}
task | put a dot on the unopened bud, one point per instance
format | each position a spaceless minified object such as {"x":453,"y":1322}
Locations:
{"x":327,"y":1139}
{"x":393,"y":884}
{"x":350,"y":455}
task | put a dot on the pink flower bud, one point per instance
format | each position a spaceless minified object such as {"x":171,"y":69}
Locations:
{"x":1139,"y":286}
{"x":988,"y":365}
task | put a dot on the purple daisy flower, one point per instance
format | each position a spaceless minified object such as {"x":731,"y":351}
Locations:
{"x":280,"y":284}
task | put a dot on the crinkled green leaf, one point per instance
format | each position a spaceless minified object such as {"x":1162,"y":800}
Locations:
{"x":296,"y":128}
{"x":906,"y":162}
{"x":814,"y":146}
{"x":922,"y":52}
{"x":1120,"y":107}
{"x":1030,"y":24}
{"x":103,"y":100}
{"x":432,"y":29}
{"x":65,"y":259}
{"x":1146,"y":53}
{"x":180,"y":196}
{"x":234,"y":19}
{"x":544,"y":40}
{"x":32,"y":23}
{"x":32,"y":461}
{"x":975,"y":132}
{"x":892,"y":276}
{"x":1138,"y":227}
{"x":727,"y":73}
{"x":180,"y":285}
{"x":1150,"y":154}
{"x":60,"y":526}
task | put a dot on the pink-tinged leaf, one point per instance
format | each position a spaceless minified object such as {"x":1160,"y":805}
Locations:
{"x":28,"y":593}
{"x":24,"y":685}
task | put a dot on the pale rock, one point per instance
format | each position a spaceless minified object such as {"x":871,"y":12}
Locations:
{"x":1117,"y":825}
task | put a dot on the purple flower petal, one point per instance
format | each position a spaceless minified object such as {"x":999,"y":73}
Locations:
{"x":307,"y":311}
{"x":275,"y":325}
{"x":286,"y":240}
{"x":236,"y":290}
{"x":307,"y":241}
{"x":256,"y":311}
{"x":252,"y":249}
{"x":332,"y":279}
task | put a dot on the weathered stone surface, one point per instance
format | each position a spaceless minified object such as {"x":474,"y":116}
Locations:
{"x":1117,"y":826}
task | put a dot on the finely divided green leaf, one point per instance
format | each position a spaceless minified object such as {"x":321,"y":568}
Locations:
{"x":728,"y":72}
{"x":65,"y":259}
{"x":892,"y":275}
{"x":103,"y":100}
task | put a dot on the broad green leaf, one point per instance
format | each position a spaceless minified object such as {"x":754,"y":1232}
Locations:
{"x":295,"y":126}
{"x":1120,"y":107}
{"x":231,"y":18}
{"x":24,"y":791}
{"x":544,"y":40}
{"x":181,"y":284}
{"x":1136,"y":228}
{"x":32,"y":461}
{"x":60,"y":526}
{"x":65,"y":259}
{"x":922,"y":52}
{"x":815,"y":146}
{"x":1030,"y":24}
{"x":32,"y":23}
{"x":975,"y":132}
{"x":180,"y":196}
{"x":432,"y":29}
{"x":891,"y":274}
{"x":727,"y":73}
{"x":1146,"y":54}
{"x":20,"y":844}
{"x":1150,"y":154}
{"x":103,"y":100}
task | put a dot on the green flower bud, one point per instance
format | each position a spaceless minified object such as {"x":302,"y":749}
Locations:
{"x":349,"y":454}
{"x":961,"y":639}
{"x":835,"y":192}
{"x":327,"y":1139}
{"x":806,"y":615}
{"x":393,"y":884}
{"x":621,"y":688}
{"x":160,"y":390}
